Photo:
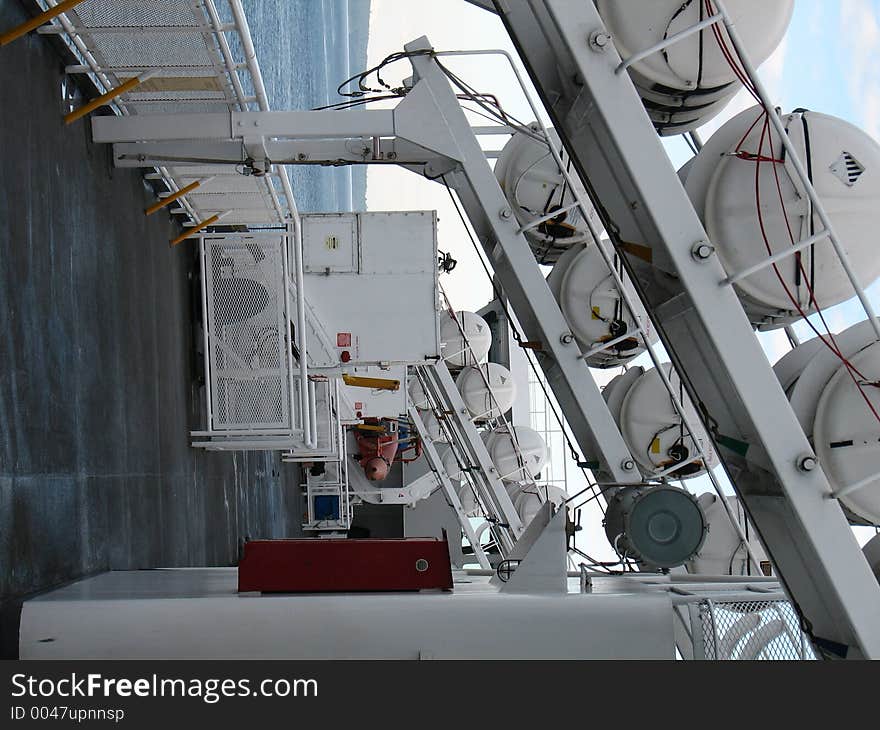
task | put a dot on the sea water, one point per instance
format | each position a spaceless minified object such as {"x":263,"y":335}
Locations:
{"x":306,"y":48}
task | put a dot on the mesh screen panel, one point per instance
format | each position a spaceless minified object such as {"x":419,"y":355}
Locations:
{"x":100,"y":13}
{"x":247,"y":333}
{"x":752,"y":630}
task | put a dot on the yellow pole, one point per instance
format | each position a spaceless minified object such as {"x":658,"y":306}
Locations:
{"x":171,"y":198}
{"x":102,"y":100}
{"x":195,"y":229}
{"x":36,"y":22}
{"x":375,"y":383}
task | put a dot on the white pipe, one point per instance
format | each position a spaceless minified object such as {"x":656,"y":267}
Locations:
{"x":778,"y":256}
{"x":666,"y":42}
{"x":207,"y":343}
{"x":313,"y":416}
{"x":253,"y":66}
{"x":285,"y":258}
{"x":250,"y":53}
{"x":305,"y":414}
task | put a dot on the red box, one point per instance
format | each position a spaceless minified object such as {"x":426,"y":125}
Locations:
{"x":340,"y":565}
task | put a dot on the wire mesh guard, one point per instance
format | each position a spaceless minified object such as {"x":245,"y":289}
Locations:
{"x":174,"y":37}
{"x":246,"y":307}
{"x":752,"y":630}
{"x":190,"y":49}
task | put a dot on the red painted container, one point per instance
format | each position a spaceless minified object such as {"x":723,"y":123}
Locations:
{"x":341,"y":565}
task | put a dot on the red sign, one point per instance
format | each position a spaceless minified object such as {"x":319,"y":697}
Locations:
{"x":341,"y":565}
{"x":343,"y":339}
{"x":358,"y":405}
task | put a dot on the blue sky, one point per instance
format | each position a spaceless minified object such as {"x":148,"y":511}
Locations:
{"x":829,"y":62}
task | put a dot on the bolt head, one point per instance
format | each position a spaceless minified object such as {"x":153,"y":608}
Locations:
{"x":702,"y":250}
{"x":505,"y":213}
{"x":628,"y":464}
{"x":808,"y":463}
{"x":599,"y":40}
{"x":567,"y":338}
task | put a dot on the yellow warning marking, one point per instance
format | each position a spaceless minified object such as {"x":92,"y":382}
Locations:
{"x":374,"y":383}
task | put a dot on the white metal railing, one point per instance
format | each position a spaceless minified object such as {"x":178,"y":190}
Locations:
{"x":496,"y":418}
{"x":718,"y":618}
{"x":237,"y":323}
{"x":333,"y":482}
{"x":481,"y":478}
{"x":106,"y":37}
{"x":110,"y":52}
{"x":436,"y":465}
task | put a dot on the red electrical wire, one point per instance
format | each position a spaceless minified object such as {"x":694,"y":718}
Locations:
{"x":740,"y":73}
{"x":758,"y":158}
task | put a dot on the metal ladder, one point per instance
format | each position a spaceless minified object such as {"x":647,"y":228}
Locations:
{"x":439,"y":470}
{"x":478,"y":471}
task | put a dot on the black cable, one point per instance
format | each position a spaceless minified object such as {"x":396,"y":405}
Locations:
{"x":496,"y":111}
{"x":342,"y":105}
{"x":623,"y":562}
{"x":362,"y":76}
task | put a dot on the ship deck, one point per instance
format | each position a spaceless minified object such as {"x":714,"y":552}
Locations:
{"x":100,"y":379}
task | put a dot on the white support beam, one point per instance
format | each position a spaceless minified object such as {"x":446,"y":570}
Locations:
{"x":238,"y":125}
{"x":523,"y":283}
{"x":354,"y":150}
{"x":614,"y":148}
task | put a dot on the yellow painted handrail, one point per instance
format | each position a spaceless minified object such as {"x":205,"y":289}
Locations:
{"x":195,"y":229}
{"x":171,"y":198}
{"x":102,"y":100}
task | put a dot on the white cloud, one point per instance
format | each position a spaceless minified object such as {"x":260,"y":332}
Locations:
{"x":860,"y":28}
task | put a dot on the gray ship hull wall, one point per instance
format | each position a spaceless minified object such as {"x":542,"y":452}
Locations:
{"x":98,"y":375}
